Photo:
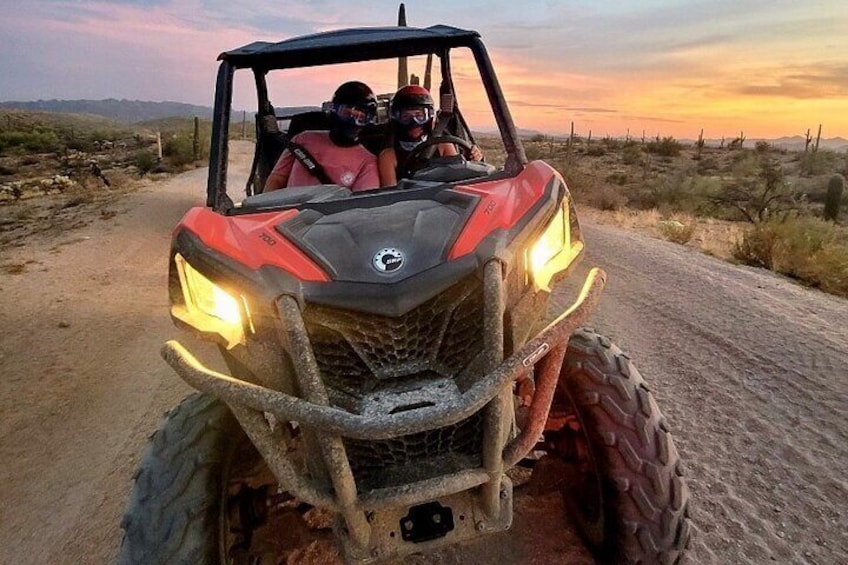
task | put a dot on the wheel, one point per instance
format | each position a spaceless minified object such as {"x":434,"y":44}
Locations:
{"x":203,"y":495}
{"x":622,"y":479}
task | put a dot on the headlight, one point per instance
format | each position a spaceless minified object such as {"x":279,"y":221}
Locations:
{"x":208,"y":307}
{"x":554,"y":250}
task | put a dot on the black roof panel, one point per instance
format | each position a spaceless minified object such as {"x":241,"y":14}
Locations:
{"x":348,"y":45}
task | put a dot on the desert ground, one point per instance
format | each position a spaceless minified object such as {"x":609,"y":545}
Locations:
{"x":750,"y":369}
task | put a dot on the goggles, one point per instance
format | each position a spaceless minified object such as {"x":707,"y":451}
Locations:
{"x":359,"y":115}
{"x":414,"y":116}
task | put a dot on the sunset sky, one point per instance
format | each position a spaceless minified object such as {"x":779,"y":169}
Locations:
{"x":770,"y":68}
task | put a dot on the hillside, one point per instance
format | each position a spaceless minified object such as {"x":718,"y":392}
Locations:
{"x":125,"y":111}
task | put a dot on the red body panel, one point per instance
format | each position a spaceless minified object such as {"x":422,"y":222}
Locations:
{"x":502,"y":204}
{"x":252,"y":241}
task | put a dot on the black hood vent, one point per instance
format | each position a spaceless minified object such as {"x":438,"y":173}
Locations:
{"x":384,"y":244}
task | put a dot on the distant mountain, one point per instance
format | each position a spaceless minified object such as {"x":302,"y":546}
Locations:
{"x":797,"y":143}
{"x":126,"y":111}
{"x":793,"y":143}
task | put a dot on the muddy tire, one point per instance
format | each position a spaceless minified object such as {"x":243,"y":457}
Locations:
{"x":174,"y":510}
{"x":630,"y":501}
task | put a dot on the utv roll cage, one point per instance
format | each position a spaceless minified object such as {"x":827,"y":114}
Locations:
{"x":347,"y":46}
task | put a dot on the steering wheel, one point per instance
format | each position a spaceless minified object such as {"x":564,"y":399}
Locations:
{"x":415,"y":154}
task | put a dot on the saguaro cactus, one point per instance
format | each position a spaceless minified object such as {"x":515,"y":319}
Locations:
{"x":195,"y":140}
{"x":428,"y":72}
{"x":833,"y":199}
{"x":403,"y":73}
{"x":699,"y":145}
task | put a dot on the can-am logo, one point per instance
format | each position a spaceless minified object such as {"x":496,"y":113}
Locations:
{"x":388,"y":260}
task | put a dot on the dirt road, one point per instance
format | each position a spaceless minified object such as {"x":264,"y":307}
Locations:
{"x":750,"y":369}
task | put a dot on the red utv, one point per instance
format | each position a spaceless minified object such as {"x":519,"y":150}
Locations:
{"x":387,"y":363}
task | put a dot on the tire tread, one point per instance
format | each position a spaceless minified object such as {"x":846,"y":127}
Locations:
{"x":647,"y":521}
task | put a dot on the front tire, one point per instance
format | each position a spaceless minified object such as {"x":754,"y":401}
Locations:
{"x":174,"y":514}
{"x":627,"y":494}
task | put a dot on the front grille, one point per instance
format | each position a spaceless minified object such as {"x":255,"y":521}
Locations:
{"x":363,"y":354}
{"x":356,"y":352}
{"x":378,"y":464}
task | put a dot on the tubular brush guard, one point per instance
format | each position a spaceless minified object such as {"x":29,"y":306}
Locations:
{"x":369,"y":520}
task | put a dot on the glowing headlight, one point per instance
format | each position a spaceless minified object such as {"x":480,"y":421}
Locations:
{"x":208,"y":307}
{"x":553,"y":251}
{"x":549,"y":244}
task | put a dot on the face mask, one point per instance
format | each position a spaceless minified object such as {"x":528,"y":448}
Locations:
{"x":343,"y":133}
{"x":410,"y":145}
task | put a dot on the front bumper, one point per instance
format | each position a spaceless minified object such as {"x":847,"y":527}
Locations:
{"x":371,"y":518}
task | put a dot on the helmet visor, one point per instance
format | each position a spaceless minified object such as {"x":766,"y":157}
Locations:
{"x":355,"y":114}
{"x":414,"y":116}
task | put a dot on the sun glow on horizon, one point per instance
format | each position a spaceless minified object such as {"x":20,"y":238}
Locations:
{"x":666,"y":67}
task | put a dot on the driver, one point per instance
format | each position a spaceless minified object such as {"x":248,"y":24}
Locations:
{"x":413,"y":116}
{"x":338,"y":151}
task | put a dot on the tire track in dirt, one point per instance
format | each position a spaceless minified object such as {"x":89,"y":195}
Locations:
{"x":83,"y":385}
{"x":751,"y":371}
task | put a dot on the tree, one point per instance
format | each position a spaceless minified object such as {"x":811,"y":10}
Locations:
{"x":758,"y":190}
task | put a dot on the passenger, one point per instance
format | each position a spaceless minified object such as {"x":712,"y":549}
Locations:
{"x":337,"y":151}
{"x":413,"y":117}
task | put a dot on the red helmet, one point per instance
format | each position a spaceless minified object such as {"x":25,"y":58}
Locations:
{"x":413,"y":113}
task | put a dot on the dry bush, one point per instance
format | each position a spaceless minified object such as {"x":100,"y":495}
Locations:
{"x":828,"y":269}
{"x":711,"y":236}
{"x":606,"y":197}
{"x":819,"y":162}
{"x":757,"y":246}
{"x":717,"y":237}
{"x":632,"y":154}
{"x":596,"y":151}
{"x":808,"y":249}
{"x":665,"y":147}
{"x":677,"y":231}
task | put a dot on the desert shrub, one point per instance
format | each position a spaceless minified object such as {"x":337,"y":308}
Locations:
{"x":762,"y":147}
{"x":145,"y":161}
{"x":604,"y":197}
{"x":631,"y":154}
{"x":534,"y":151}
{"x":676,"y":231}
{"x":611,"y":143}
{"x":596,"y":151}
{"x":742,"y":156}
{"x":707,"y":165}
{"x":38,"y":140}
{"x":580,"y":181}
{"x":617,"y":178}
{"x":757,"y":246}
{"x":696,"y":195}
{"x":819,"y":162}
{"x":808,"y":249}
{"x":179,"y":150}
{"x":828,"y":269}
{"x":674,"y":191}
{"x":80,"y":144}
{"x":665,"y":147}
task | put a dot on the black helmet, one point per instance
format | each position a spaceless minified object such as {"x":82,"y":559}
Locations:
{"x":355,"y":93}
{"x":413,"y":114}
{"x":354,"y":106}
